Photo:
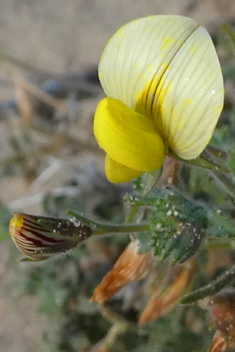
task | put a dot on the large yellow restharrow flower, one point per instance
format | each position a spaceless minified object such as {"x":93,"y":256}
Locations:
{"x":164,"y":90}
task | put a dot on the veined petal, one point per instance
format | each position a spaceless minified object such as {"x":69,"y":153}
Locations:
{"x":128,"y":137}
{"x":117,"y":173}
{"x":138,"y":54}
{"x":189,"y":98}
{"x":40,"y":238}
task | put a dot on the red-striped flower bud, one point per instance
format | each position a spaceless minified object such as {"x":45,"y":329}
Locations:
{"x":40,"y":238}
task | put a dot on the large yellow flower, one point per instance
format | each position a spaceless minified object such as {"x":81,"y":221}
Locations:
{"x":164,"y":89}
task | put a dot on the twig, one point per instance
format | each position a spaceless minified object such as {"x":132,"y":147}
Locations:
{"x":59,"y":141}
{"x":24,"y":65}
{"x":40,"y":94}
{"x":119,"y":327}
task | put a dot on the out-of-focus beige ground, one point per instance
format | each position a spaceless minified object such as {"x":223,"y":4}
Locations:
{"x":58,"y":36}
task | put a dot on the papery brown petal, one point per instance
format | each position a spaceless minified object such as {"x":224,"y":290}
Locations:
{"x":162,"y":303}
{"x":129,"y":267}
{"x":218,"y":258}
{"x":222,"y":310}
{"x":169,"y":173}
{"x":218,"y":344}
{"x":27,"y":102}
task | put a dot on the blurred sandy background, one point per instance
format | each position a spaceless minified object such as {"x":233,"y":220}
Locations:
{"x":60,"y":36}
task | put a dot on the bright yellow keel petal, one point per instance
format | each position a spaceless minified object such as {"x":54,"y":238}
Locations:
{"x":128,"y":137}
{"x":117,"y":173}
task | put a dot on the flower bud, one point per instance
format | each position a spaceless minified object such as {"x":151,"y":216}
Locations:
{"x":40,"y":238}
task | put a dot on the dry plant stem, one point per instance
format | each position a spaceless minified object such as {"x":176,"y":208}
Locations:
{"x":119,"y":327}
{"x":44,"y":74}
{"x":23,"y":65}
{"x":40,"y":94}
{"x":210,"y":289}
{"x":113,"y":333}
{"x":111,"y":316}
{"x":59,"y":141}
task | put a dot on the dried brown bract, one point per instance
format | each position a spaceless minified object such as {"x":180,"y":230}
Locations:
{"x":129,"y":267}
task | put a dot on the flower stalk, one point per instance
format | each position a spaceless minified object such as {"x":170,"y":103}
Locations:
{"x":220,"y":154}
{"x":202,"y":161}
{"x":224,"y":179}
{"x":104,"y":229}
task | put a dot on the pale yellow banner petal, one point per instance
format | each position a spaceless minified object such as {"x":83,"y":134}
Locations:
{"x":117,"y":173}
{"x":189,"y":98}
{"x":138,"y":54}
{"x":127,"y":137}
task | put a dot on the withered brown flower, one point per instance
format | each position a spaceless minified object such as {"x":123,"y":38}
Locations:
{"x":168,"y":293}
{"x":129,"y":267}
{"x":222,"y":312}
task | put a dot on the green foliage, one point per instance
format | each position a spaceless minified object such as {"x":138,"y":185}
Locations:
{"x":174,"y":333}
{"x":149,"y":181}
{"x":220,"y":225}
{"x":5,"y":217}
{"x":178,"y":224}
{"x":232,"y":160}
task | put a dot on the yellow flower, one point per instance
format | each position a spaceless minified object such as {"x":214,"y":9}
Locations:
{"x":164,"y":89}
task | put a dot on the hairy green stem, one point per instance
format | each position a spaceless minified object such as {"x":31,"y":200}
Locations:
{"x":220,"y":154}
{"x":201,"y":161}
{"x":132,"y":215}
{"x":107,"y":229}
{"x":224,"y":179}
{"x":103,"y":229}
{"x":210,"y":289}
